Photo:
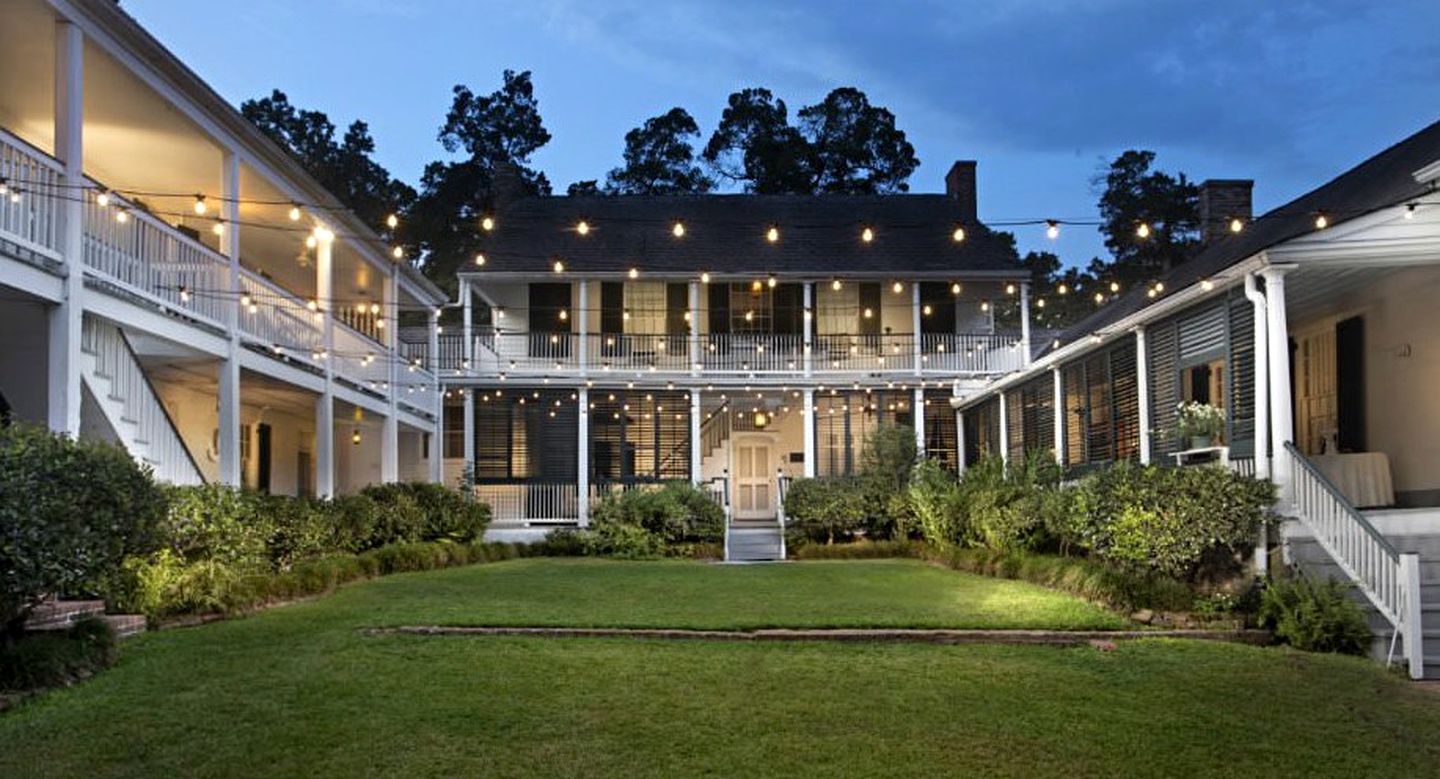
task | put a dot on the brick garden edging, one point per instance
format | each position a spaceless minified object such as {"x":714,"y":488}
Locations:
{"x":879,"y":635}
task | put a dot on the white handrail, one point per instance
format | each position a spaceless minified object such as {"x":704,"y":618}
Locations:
{"x":29,"y":207}
{"x":782,"y":485}
{"x":1388,"y":579}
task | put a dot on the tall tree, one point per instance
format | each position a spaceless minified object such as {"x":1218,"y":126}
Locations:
{"x":496,"y":135}
{"x":584,"y":188}
{"x":1168,"y":206}
{"x":755,"y":146}
{"x":855,"y":147}
{"x":344,"y":166}
{"x":660,"y":159}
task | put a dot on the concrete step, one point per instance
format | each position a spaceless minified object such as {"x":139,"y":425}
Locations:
{"x":754,"y":543}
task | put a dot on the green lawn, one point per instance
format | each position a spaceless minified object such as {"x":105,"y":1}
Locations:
{"x":299,"y":691}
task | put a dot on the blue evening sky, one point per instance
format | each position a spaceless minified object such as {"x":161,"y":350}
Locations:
{"x":1041,"y":92}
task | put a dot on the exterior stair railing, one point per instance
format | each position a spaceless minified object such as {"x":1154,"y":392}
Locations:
{"x":1388,"y":579}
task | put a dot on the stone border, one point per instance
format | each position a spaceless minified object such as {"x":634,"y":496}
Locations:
{"x":840,"y":635}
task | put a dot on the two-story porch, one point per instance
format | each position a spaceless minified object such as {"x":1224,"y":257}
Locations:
{"x":174,"y":282}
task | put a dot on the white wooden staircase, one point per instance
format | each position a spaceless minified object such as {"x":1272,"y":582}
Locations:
{"x":124,"y":395}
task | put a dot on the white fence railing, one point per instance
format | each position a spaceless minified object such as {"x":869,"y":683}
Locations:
{"x":278,"y":318}
{"x":1388,"y":579}
{"x":970,"y":353}
{"x":638,"y":352}
{"x":360,"y":359}
{"x":529,"y":504}
{"x":154,"y":438}
{"x":29,"y":206}
{"x":752,"y":353}
{"x":141,"y":254}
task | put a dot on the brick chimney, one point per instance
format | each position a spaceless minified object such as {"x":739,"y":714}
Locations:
{"x":1222,"y":200}
{"x":960,"y":185}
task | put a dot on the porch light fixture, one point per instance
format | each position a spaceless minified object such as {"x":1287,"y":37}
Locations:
{"x":1143,"y":231}
{"x":294,"y":212}
{"x":761,"y":419}
{"x":1052,"y":229}
{"x":583,"y":228}
{"x":867,"y":235}
{"x":479,"y":260}
{"x":958,"y":235}
{"x":773,"y":234}
{"x":200,"y":207}
{"x":1321,"y":221}
{"x":678,"y":230}
{"x":355,"y":437}
{"x":487,"y":223}
{"x":1236,"y":225}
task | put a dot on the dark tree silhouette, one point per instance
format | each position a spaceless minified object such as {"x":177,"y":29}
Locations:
{"x":756,"y":146}
{"x":1133,"y":194}
{"x":660,"y":159}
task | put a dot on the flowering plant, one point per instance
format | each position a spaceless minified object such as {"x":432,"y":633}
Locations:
{"x":1200,"y":420}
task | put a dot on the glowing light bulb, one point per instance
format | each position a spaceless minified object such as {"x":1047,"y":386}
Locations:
{"x":392,"y":221}
{"x":869,"y":314}
{"x":122,"y":216}
{"x":705,"y":278}
{"x":1009,"y":289}
{"x":1063,"y":289}
{"x":1099,"y":298}
{"x":1114,"y":286}
{"x":867,"y":235}
{"x":200,"y":207}
{"x":897,"y":287}
{"x":583,"y":227}
{"x":926,"y":310}
{"x":955,"y":288}
{"x":479,"y":259}
{"x":1207,"y":285}
{"x":310,"y":242}
{"x":1143,"y":231}
{"x":771,"y":281}
{"x":1321,"y":222}
{"x":984,"y":305}
{"x":958,"y":235}
{"x":246,"y":300}
{"x":1410,"y":211}
{"x":772,"y":235}
{"x":678,"y":230}
{"x":294,"y":213}
{"x":218,"y":228}
{"x":835,"y":285}
{"x":564,"y":315}
{"x":487,"y":224}
{"x":1052,"y":229}
{"x":634,"y":273}
{"x":398,"y":253}
{"x":559,"y":266}
{"x":102,"y":199}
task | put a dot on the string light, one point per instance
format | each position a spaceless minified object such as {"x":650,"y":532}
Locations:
{"x":392,"y":221}
{"x":294,"y":212}
{"x":773,"y":234}
{"x":200,"y":207}
{"x":1052,"y":229}
{"x":487,"y":223}
{"x":958,"y":235}
{"x":398,"y":253}
{"x":122,"y":216}
{"x":984,"y":305}
{"x":1009,"y":289}
{"x":1143,"y":231}
{"x":1207,"y":285}
{"x":1099,"y":298}
{"x":1236,"y":225}
{"x":102,"y":199}
{"x":867,"y":235}
{"x":678,"y":230}
{"x":634,"y":273}
{"x":1114,"y":286}
{"x":771,"y":281}
{"x":480,"y":259}
{"x":184,"y":294}
{"x":1063,"y":289}
{"x":559,"y":266}
{"x":218,"y":228}
{"x":897,"y":287}
{"x":835,"y":284}
{"x":1410,"y":210}
{"x":1321,"y":221}
{"x":704,"y":277}
{"x":955,"y":288}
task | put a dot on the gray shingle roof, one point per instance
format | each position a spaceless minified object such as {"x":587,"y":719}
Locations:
{"x":819,"y":235}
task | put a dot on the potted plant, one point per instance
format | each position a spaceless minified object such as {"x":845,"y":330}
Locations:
{"x":1200,"y":423}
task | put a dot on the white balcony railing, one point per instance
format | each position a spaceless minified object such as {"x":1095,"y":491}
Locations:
{"x":279,"y":318}
{"x":29,"y":207}
{"x":752,"y":353}
{"x":970,"y":353}
{"x":639,"y":352}
{"x":360,"y":359}
{"x":144,"y":256}
{"x":524,"y":504}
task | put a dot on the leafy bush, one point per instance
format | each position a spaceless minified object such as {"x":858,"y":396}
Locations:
{"x":1166,"y":519}
{"x":56,"y":658}
{"x":826,"y":509}
{"x":70,"y":511}
{"x":885,"y":470}
{"x":859,"y":550}
{"x":220,"y":523}
{"x":676,"y":512}
{"x":563,"y":542}
{"x":1314,"y":615}
{"x":938,"y":504}
{"x":623,"y":540}
{"x":1090,"y":579}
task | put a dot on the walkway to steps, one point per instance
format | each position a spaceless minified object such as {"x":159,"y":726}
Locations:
{"x":63,"y":614}
{"x":1307,"y":554}
{"x":753,"y":541}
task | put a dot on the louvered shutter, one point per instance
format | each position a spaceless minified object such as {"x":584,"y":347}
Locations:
{"x":1161,"y":343}
{"x":1241,"y":403}
{"x":1125,"y":401}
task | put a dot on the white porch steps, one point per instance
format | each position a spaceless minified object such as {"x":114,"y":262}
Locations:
{"x":118,"y":384}
{"x":1307,"y":554}
{"x":753,"y":541}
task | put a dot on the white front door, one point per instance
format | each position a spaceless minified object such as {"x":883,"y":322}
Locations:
{"x":754,"y":492}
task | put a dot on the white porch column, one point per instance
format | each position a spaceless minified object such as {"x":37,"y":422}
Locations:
{"x":467,"y":330}
{"x":915,"y":319}
{"x":808,"y":316}
{"x":694,"y":340}
{"x":325,"y":404}
{"x":697,"y":451}
{"x":1282,"y":424}
{"x":65,"y":319}
{"x":1142,"y":391}
{"x":960,"y":441}
{"x":1004,"y":431}
{"x":582,"y":459}
{"x":437,"y":439}
{"x":808,"y":398}
{"x":582,"y":324}
{"x":920,"y":421}
{"x":390,"y":428}
{"x":1024,"y":323}
{"x":1057,"y":403}
{"x":229,"y":383}
{"x":468,"y":450}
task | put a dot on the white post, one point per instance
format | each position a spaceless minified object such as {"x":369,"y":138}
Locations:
{"x":959,"y":441}
{"x":919,"y":421}
{"x":1025,"y":322}
{"x":694,"y":309}
{"x":1142,"y":390}
{"x":808,"y":397}
{"x":915,"y":318}
{"x":468,"y":449}
{"x":808,"y":345}
{"x":582,"y":465}
{"x":1262,"y":409}
{"x":467,"y":330}
{"x":390,"y":428}
{"x":1004,"y":431}
{"x":65,"y":319}
{"x":437,"y":438}
{"x":1410,"y":620}
{"x":1282,"y":425}
{"x":697,"y":452}
{"x":325,"y":404}
{"x":229,"y":379}
{"x":582,"y":323}
{"x":1057,"y":403}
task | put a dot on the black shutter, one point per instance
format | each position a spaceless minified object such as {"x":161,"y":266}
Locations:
{"x":677,"y":304}
{"x":1099,"y":431}
{"x":719,"y":303}
{"x":1125,"y":401}
{"x":869,"y":300}
{"x":1038,"y":414}
{"x":1076,"y":415}
{"x":1164,"y":376}
{"x":1015,"y":425}
{"x":1240,"y":405}
{"x":941,"y":319}
{"x":612,"y":307}
{"x":789,"y":307}
{"x":1350,"y":384}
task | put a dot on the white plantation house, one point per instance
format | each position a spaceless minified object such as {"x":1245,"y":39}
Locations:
{"x":173,"y":281}
{"x":236,"y":334}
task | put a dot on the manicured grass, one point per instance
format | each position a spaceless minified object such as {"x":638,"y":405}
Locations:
{"x":300,"y":691}
{"x":681,"y":594}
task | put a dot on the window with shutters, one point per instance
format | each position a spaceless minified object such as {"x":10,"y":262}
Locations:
{"x":982,"y":431}
{"x":1102,"y":409}
{"x":639,"y":436}
{"x":644,"y":311}
{"x":1037,"y":415}
{"x":1204,"y":354}
{"x":525,"y":435}
{"x":940,"y":431}
{"x":844,"y":421}
{"x":1014,"y":426}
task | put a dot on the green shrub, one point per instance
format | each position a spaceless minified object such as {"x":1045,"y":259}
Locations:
{"x":563,"y":542}
{"x":1167,"y":519}
{"x":55,"y":658}
{"x":676,"y":512}
{"x":826,"y":509}
{"x":938,"y":505}
{"x":70,"y":512}
{"x":216,"y":522}
{"x":449,"y":514}
{"x":1313,"y":615}
{"x":859,"y":550}
{"x":1092,"y":580}
{"x":623,"y":540}
{"x":300,"y":529}
{"x":885,"y":469}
